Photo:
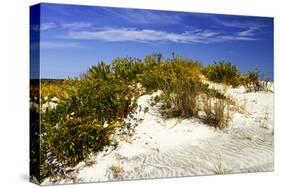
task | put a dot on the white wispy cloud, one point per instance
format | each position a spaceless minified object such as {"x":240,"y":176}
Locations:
{"x":76,"y":25}
{"x":148,"y":35}
{"x":43,"y":26}
{"x":238,"y":24}
{"x":248,"y":30}
{"x":146,"y":16}
{"x":57,"y":45}
{"x":231,"y":23}
{"x":252,"y":31}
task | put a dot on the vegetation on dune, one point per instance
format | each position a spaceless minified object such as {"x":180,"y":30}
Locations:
{"x":187,"y":96}
{"x":227,"y":73}
{"x":163,"y":75}
{"x":253,"y":82}
{"x":83,"y":122}
{"x":61,"y":89}
{"x":223,"y":72}
{"x":127,"y":69}
{"x":93,"y":106}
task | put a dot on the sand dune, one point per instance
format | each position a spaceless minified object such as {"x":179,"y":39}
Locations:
{"x":231,"y":152}
{"x":168,"y":148}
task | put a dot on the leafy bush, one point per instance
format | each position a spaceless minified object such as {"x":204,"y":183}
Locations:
{"x":223,"y":72}
{"x":101,"y":71}
{"x":72,"y":138}
{"x":127,"y":68}
{"x":158,"y":77}
{"x":104,"y":101}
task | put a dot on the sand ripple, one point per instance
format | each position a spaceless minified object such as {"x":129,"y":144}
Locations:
{"x":221,"y":154}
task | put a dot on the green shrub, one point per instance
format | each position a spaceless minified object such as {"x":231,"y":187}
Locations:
{"x":104,"y":101}
{"x":127,"y":68}
{"x":158,"y":77}
{"x":223,"y":72}
{"x":164,"y":75}
{"x":188,"y":68}
{"x":72,"y":138}
{"x":101,"y":71}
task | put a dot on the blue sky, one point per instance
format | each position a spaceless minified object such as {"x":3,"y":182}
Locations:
{"x":72,"y":38}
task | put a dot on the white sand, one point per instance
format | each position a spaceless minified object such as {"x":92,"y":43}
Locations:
{"x":168,"y":148}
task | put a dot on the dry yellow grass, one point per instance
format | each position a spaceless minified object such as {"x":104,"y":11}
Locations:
{"x":59,"y":89}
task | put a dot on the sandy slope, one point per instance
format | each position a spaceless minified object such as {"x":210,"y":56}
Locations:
{"x":167,"y":148}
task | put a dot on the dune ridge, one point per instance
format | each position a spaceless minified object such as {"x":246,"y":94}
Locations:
{"x":169,"y":148}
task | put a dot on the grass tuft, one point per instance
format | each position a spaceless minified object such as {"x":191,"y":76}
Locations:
{"x":217,"y":113}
